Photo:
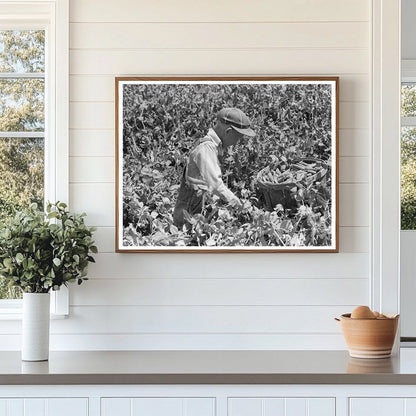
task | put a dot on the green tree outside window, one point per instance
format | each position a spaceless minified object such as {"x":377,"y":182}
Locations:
{"x":408,"y":159}
{"x":22,"y":124}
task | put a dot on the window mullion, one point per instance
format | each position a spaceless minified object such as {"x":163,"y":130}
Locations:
{"x":22,"y":134}
{"x":408,"y":121}
{"x":22,"y":75}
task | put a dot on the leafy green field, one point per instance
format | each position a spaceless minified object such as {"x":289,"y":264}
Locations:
{"x":161,"y":125}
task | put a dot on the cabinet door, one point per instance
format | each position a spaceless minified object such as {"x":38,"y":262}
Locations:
{"x":376,"y":406}
{"x":270,"y":406}
{"x":44,"y":407}
{"x":160,"y":406}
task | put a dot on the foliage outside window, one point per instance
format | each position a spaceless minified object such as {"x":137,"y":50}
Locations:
{"x":408,"y":157}
{"x":22,"y":124}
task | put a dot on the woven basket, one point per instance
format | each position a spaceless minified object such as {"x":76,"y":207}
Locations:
{"x":281,"y":192}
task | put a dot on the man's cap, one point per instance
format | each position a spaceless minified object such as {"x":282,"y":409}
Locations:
{"x":237,"y":120}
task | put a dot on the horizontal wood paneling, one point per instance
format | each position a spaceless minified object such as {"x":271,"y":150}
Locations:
{"x":354,"y":170}
{"x":352,"y":239}
{"x":354,"y":142}
{"x":99,"y":88}
{"x":208,"y":265}
{"x":96,"y":199}
{"x":230,"y":301}
{"x":195,"y":320}
{"x":88,"y":169}
{"x":354,"y":208}
{"x":220,"y":291}
{"x":87,"y":115}
{"x":92,"y":115}
{"x":354,"y":115}
{"x":218,"y":35}
{"x":146,"y":342}
{"x":92,"y":88}
{"x":105,"y":238}
{"x":94,"y":143}
{"x":201,"y":319}
{"x":218,"y":11}
{"x":221,"y":62}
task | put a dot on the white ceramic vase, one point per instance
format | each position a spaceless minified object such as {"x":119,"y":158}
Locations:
{"x":35,"y":326}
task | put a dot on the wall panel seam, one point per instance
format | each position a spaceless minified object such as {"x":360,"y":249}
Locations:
{"x":227,"y":22}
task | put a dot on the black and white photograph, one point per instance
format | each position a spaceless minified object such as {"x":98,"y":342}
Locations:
{"x":227,"y":164}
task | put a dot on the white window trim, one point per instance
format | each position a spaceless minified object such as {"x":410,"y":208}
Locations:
{"x":408,"y":74}
{"x":52,"y":15}
{"x":385,"y":95}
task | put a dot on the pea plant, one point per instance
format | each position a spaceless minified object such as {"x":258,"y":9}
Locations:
{"x":282,"y":175}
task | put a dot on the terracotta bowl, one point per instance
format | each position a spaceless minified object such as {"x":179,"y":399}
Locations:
{"x":369,"y":338}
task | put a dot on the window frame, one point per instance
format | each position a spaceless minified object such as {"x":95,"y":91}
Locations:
{"x":408,"y":76}
{"x":53,"y":17}
{"x":385,"y":156}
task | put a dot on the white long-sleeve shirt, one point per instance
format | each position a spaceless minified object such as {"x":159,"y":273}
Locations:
{"x":203,"y":169}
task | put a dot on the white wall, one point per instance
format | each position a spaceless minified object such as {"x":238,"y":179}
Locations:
{"x":215,"y":301}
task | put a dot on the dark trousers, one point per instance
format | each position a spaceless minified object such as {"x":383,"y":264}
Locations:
{"x":188,"y":200}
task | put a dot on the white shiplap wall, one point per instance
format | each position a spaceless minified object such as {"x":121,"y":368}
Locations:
{"x":177,"y":301}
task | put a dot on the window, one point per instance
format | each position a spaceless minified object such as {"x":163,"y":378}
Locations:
{"x":22,"y":124}
{"x":408,"y":153}
{"x":33,"y":112}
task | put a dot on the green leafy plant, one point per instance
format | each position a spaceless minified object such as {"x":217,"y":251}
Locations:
{"x":43,"y":251}
{"x":162,"y":124}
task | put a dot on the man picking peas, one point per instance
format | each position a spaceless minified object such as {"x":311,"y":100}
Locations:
{"x":203,"y":168}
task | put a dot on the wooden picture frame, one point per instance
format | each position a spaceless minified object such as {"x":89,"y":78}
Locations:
{"x":281,"y":186}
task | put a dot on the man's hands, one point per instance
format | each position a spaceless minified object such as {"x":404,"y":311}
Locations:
{"x":236,"y":204}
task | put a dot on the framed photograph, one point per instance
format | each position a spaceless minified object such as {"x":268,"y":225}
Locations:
{"x":238,"y":164}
